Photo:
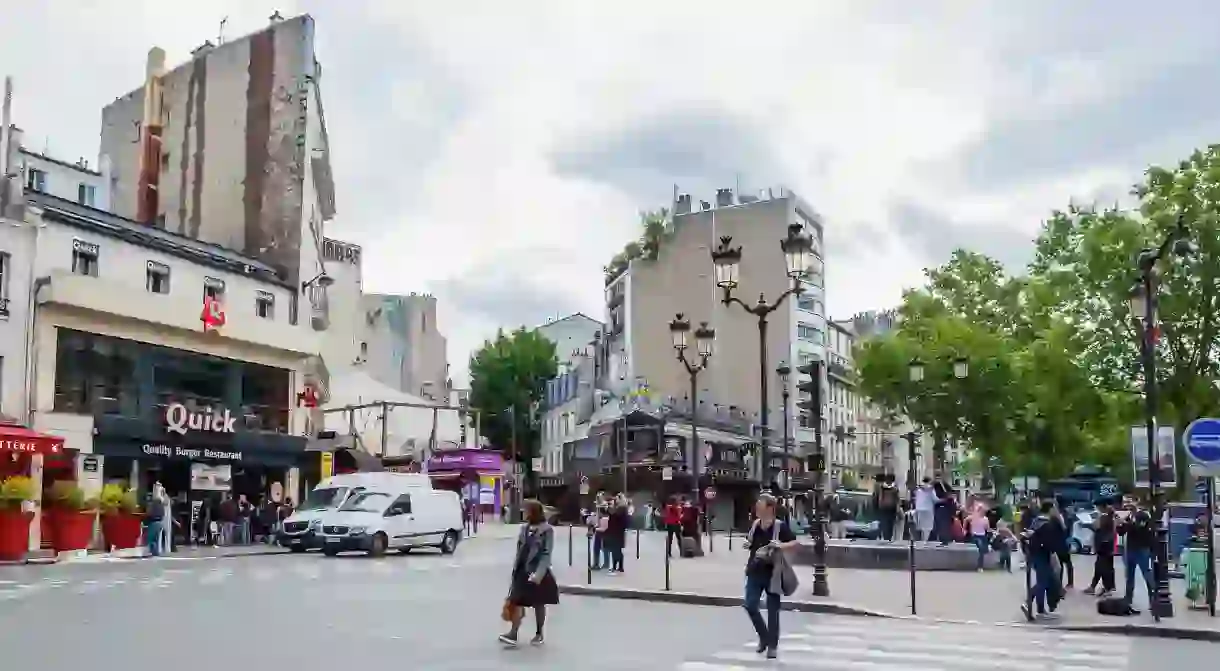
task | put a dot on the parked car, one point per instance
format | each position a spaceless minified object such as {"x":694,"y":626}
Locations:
{"x":863,"y":530}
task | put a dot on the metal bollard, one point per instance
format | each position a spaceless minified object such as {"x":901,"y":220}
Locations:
{"x":667,"y":571}
{"x":589,"y":560}
{"x":637,"y":542}
{"x":730,"y":536}
{"x":570,"y":545}
{"x":711,"y":533}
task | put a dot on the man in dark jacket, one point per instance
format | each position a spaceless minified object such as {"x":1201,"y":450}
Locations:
{"x":885,"y":501}
{"x":1140,"y":533}
{"x":1045,"y":538}
{"x":1104,"y":534}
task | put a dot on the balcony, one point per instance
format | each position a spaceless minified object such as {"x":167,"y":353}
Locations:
{"x":3,"y":307}
{"x":840,"y":369}
{"x":615,"y":296}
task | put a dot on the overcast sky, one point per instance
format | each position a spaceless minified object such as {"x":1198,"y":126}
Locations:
{"x":496,"y":153}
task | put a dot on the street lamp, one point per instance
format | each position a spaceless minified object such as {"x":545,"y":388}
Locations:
{"x":817,"y":465}
{"x":726,"y":259}
{"x":915,"y":370}
{"x":915,"y":373}
{"x":1143,"y":309}
{"x":783,"y":370}
{"x":705,"y":338}
{"x":961,"y":367}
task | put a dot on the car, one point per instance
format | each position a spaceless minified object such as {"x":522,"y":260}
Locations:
{"x":377,"y":520}
{"x":862,"y":530}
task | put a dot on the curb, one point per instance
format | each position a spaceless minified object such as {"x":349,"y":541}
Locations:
{"x":51,"y":561}
{"x":832,"y":608}
{"x":691,"y":598}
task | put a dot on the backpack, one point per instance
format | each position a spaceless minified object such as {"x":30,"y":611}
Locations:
{"x":1115,"y":606}
{"x":888,"y":497}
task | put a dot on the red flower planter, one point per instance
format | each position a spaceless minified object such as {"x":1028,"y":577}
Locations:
{"x":14,"y":534}
{"x":70,"y":529}
{"x":121,"y":531}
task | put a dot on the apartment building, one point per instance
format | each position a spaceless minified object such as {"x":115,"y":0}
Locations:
{"x":676,"y":276}
{"x":230,"y":147}
{"x":572,"y":336}
{"x":403,"y":346}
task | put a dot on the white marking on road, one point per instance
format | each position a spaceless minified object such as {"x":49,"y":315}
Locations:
{"x":263,"y":574}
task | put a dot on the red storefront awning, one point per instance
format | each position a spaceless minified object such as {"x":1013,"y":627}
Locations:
{"x":14,"y":438}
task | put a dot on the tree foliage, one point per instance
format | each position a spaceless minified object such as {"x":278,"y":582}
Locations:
{"x":508,"y":378}
{"x":1054,"y":363}
{"x":653,"y":232}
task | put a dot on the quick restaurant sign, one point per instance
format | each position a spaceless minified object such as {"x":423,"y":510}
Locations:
{"x":179,"y":419}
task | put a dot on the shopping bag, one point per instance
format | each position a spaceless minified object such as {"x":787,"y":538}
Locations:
{"x":507,"y":611}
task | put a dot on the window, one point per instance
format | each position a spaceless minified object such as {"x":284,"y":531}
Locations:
{"x":36,"y":180}
{"x":810,"y":333}
{"x":401,"y":506}
{"x":264,"y":305}
{"x":157,"y":278}
{"x":6,"y":269}
{"x":95,"y":374}
{"x":85,"y":194}
{"x":214,"y":289}
{"x":264,"y":398}
{"x":84,"y":258}
{"x":364,"y":349}
{"x":810,"y":304}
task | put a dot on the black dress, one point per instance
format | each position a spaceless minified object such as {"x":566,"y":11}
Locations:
{"x":526,"y":593}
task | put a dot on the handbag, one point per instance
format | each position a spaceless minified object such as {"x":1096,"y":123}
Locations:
{"x":508,"y":610}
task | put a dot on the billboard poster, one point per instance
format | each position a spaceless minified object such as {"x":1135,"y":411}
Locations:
{"x":1166,"y":452}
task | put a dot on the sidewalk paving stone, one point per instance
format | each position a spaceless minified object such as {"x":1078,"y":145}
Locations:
{"x":991,"y":597}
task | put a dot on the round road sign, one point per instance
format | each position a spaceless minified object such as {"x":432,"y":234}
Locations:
{"x":1202,"y":441}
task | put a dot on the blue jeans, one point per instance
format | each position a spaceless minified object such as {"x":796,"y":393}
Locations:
{"x":1044,"y":581}
{"x":980,"y":542}
{"x":152,"y":533}
{"x":1142,"y":558}
{"x":768,"y":631}
{"x":597,"y":551}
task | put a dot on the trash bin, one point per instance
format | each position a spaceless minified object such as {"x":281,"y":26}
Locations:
{"x":1194,"y":568}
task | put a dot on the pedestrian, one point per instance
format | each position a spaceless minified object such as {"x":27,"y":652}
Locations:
{"x":615,"y":538}
{"x":886,"y":502}
{"x":228,"y":520}
{"x":673,"y":526}
{"x":979,"y":527}
{"x":925,"y":510}
{"x":1004,"y":542}
{"x":1065,"y":550}
{"x":154,"y":520}
{"x":532,"y":584}
{"x":1043,"y":539}
{"x":1139,"y":535}
{"x":768,"y":535}
{"x":1104,"y":535}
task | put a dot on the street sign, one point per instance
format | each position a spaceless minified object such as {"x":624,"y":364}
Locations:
{"x":710,"y":493}
{"x":667,"y":473}
{"x":1165,"y":452}
{"x":1202,"y":442}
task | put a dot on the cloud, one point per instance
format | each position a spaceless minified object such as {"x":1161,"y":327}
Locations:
{"x":497,"y":154}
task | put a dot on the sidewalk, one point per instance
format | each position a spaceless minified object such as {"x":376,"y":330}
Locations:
{"x":991,"y":597}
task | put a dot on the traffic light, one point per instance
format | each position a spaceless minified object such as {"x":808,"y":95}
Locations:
{"x":813,"y":387}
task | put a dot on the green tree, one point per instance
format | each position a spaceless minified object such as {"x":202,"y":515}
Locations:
{"x":508,"y":378}
{"x":1086,"y":266}
{"x":653,"y":232}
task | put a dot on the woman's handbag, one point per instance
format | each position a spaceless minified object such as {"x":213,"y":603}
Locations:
{"x":508,"y":610}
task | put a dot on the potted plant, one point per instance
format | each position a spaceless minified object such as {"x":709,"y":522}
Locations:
{"x":121,"y":519}
{"x":70,"y":517}
{"x":15,"y":491}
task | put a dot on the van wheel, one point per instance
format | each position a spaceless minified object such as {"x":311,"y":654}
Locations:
{"x":297,"y":548}
{"x":449,"y":543}
{"x":406,"y":549}
{"x":380,"y":542}
{"x":330,"y":552}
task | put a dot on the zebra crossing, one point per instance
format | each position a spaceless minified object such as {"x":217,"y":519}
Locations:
{"x":147,"y":576}
{"x":867,"y":644}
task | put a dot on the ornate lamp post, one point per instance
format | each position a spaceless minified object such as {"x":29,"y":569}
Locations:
{"x":705,"y":339}
{"x":1143,"y":309}
{"x":797,"y":247}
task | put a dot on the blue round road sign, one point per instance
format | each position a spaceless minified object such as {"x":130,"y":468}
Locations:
{"x":1202,"y":441}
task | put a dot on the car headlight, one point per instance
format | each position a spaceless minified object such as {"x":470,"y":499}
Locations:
{"x":356,"y":531}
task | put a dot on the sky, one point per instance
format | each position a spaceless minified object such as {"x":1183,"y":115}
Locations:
{"x":497,"y":154}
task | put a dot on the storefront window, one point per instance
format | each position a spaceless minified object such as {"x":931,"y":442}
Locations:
{"x":95,"y":374}
{"x":264,"y":396}
{"x":190,"y":379}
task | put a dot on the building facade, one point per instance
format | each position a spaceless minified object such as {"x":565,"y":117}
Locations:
{"x":573,"y":336}
{"x":643,"y":299}
{"x":231,"y":148}
{"x":157,"y":358}
{"x":403,"y":346}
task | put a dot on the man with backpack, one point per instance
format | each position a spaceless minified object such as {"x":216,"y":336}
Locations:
{"x":1044,"y":540}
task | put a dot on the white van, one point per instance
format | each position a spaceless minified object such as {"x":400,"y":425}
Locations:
{"x":299,"y":532}
{"x":379,"y":519}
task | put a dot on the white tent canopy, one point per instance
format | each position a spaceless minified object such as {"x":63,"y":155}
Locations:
{"x":407,"y":430}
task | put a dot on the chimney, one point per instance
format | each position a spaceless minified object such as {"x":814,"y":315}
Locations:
{"x":147,"y":200}
{"x":6,"y":138}
{"x":724,"y":197}
{"x":704,"y":205}
{"x":682,"y":205}
{"x":276,"y":17}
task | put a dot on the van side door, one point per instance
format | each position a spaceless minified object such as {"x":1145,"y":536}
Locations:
{"x":400,"y":522}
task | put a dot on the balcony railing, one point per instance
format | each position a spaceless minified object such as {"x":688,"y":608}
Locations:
{"x":3,"y":307}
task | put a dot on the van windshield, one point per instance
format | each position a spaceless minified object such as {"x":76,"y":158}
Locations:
{"x":366,"y":502}
{"x":328,"y":497}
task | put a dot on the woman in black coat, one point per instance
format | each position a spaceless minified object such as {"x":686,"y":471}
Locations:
{"x":532,"y":584}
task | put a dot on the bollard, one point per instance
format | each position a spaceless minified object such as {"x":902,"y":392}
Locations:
{"x":911,"y":565}
{"x":667,"y":570}
{"x":711,"y":533}
{"x":730,"y":536}
{"x":589,"y":560}
{"x":637,"y":542}
{"x":570,"y":545}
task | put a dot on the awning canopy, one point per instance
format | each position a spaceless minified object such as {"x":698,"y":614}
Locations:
{"x":17,"y":438}
{"x":406,"y":429}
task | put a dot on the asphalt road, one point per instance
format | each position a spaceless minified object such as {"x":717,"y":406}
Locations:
{"x":439,"y":613}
